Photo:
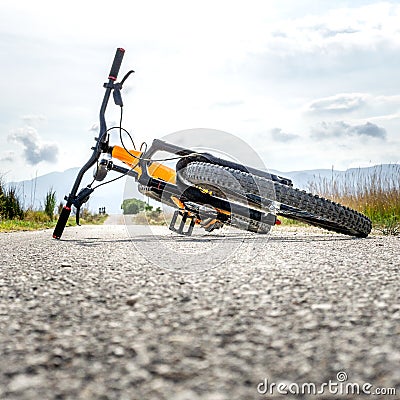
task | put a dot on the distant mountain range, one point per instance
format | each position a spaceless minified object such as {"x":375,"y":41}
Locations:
{"x":32,"y":192}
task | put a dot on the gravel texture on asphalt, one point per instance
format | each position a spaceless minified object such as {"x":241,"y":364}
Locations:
{"x":90,"y":317}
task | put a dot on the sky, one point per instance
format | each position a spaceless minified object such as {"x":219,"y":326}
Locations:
{"x":307,"y":84}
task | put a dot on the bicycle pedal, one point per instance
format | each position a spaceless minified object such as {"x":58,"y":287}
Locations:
{"x":180,"y":230}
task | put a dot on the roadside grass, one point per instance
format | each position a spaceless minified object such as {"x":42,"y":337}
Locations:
{"x":291,"y":222}
{"x":22,"y":225}
{"x":13,"y":217}
{"x":376,"y":195}
{"x":88,"y":218}
{"x":37,"y":220}
{"x":154,"y":217}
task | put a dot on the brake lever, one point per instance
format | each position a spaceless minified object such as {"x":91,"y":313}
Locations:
{"x":117,"y":94}
{"x":81,"y":198}
{"x":117,"y":87}
{"x":77,"y":216}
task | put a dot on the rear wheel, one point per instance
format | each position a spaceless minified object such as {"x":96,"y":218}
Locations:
{"x":295,"y":204}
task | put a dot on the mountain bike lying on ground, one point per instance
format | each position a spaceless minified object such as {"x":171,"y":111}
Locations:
{"x":203,"y":189}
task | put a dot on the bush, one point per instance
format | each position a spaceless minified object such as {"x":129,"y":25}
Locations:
{"x":10,"y":205}
{"x":133,"y":206}
{"x":50,"y":203}
{"x":87,"y":217}
{"x":36,"y":216}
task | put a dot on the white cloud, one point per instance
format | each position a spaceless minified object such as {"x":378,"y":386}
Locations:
{"x":339,"y":103}
{"x":339,"y":129}
{"x":345,"y":49}
{"x":362,"y":107}
{"x":278,"y":135}
{"x":339,"y":30}
{"x":35,"y":151}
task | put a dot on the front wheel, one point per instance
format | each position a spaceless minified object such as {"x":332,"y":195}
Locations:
{"x":294,"y":204}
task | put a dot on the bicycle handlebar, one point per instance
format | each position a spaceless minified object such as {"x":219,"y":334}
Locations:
{"x":66,"y":211}
{"x":119,"y":55}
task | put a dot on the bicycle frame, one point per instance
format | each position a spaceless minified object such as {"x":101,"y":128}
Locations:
{"x":155,"y":177}
{"x":162,"y":181}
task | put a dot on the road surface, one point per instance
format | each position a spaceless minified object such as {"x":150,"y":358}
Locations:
{"x":105,"y":315}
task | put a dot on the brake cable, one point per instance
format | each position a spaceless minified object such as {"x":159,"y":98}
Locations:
{"x":118,"y":101}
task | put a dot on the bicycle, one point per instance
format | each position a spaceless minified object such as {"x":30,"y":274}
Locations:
{"x":203,"y":189}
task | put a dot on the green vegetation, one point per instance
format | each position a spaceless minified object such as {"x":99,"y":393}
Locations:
{"x":50,"y":204}
{"x":88,"y":218}
{"x":133,"y":206}
{"x":29,"y":220}
{"x":36,"y":220}
{"x":10,"y":206}
{"x":376,"y":195}
{"x":143,"y":213}
{"x":14,"y":218}
{"x":154,"y":217}
{"x":291,"y":222}
{"x":23,"y":225}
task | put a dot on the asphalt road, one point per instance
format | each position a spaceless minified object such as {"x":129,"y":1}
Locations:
{"x":107,"y":314}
